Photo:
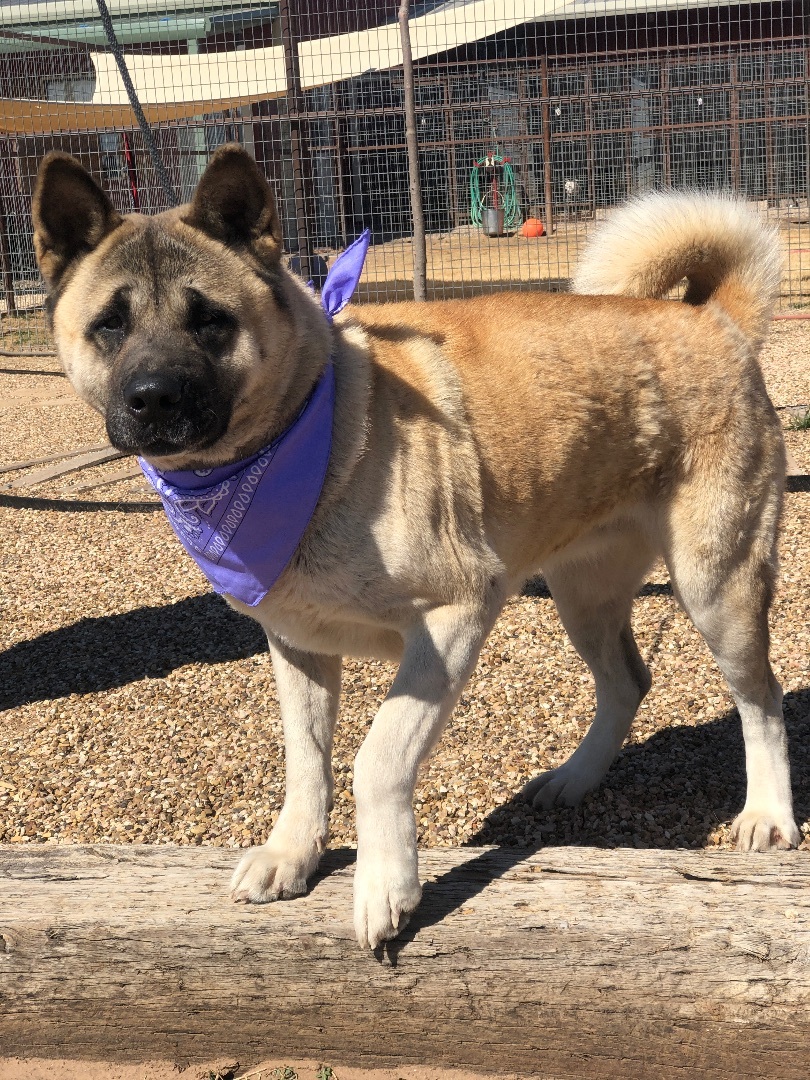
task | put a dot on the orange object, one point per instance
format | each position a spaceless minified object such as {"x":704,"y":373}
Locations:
{"x":532,"y":227}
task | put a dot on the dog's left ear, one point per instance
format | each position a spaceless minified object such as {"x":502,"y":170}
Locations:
{"x":71,"y":213}
{"x":234,"y":204}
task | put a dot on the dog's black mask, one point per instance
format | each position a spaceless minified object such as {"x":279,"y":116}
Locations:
{"x":160,"y":406}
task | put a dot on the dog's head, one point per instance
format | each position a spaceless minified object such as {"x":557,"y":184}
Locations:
{"x":183,"y":330}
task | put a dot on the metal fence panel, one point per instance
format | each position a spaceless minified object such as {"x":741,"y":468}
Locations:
{"x":515,"y":100}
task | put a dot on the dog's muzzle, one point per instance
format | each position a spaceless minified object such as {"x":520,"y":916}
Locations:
{"x":158,"y":413}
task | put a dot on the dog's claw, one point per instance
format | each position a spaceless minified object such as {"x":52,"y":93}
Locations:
{"x":564,"y":786}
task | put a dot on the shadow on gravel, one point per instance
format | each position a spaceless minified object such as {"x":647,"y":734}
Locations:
{"x":148,"y":643}
{"x":537,"y":587}
{"x":686,"y":779}
{"x":683,"y":781}
{"x":76,"y":506}
{"x":99,"y":654}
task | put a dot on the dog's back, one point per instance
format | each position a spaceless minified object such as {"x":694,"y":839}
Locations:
{"x":581,"y":405}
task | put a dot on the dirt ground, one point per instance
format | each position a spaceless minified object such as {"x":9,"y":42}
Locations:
{"x":38,"y":1069}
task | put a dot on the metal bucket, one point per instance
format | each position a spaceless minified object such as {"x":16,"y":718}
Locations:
{"x":492,"y":222}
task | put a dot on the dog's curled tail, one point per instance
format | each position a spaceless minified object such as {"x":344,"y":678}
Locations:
{"x":715,"y":241}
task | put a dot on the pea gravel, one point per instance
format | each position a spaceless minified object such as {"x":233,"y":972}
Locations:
{"x":136,"y":707}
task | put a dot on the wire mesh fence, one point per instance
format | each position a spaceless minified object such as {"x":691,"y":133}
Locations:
{"x":533,"y":118}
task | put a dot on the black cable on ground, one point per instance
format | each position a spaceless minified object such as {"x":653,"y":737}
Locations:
{"x":148,"y":137}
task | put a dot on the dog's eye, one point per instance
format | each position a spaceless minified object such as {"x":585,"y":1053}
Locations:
{"x":204,"y":319}
{"x":112,"y":323}
{"x":211,"y":325}
{"x":110,"y":326}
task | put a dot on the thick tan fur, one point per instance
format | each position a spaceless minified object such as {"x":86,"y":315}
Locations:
{"x":475,"y":444}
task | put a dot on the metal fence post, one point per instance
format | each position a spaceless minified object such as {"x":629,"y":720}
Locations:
{"x":545,"y":112}
{"x":302,"y":174}
{"x":411,"y":141}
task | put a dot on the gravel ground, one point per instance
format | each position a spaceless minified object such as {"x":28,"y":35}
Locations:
{"x":39,"y":1069}
{"x":139,"y":708}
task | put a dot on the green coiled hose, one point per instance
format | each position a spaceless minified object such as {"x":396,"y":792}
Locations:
{"x":500,"y":192}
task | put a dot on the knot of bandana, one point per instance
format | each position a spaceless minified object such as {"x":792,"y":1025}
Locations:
{"x":241,"y":523}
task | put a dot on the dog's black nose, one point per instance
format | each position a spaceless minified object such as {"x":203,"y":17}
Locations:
{"x":152,"y":398}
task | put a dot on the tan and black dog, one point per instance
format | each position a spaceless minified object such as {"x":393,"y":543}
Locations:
{"x":475,"y":443}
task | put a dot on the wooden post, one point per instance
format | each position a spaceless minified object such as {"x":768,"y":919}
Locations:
{"x":574,"y":962}
{"x":412,"y":143}
{"x":8,"y":269}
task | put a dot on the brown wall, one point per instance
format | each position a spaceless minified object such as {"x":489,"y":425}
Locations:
{"x":668,"y":29}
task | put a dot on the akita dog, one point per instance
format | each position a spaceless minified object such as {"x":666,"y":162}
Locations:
{"x":421,"y":461}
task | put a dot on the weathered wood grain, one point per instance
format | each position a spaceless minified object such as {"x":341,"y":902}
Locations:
{"x":564,"y":963}
{"x":72,"y":463}
{"x":16,"y":466}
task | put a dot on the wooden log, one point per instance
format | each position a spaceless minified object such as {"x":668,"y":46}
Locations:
{"x":18,"y":465}
{"x":72,"y":463}
{"x":114,"y":478}
{"x":563,"y":963}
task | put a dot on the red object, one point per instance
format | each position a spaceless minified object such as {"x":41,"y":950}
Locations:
{"x":129,"y":156}
{"x":532,"y":227}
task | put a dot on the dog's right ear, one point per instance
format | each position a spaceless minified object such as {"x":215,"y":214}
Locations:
{"x":71,"y":213}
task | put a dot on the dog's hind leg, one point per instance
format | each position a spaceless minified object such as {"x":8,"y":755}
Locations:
{"x":720,"y":554}
{"x":309,"y":691}
{"x":594,"y":590}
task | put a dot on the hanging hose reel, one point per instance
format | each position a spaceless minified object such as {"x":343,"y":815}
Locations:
{"x":493,"y":195}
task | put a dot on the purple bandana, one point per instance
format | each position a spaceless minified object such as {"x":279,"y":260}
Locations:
{"x":242,"y":523}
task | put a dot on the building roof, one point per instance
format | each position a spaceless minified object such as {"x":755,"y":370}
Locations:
{"x":134,"y":22}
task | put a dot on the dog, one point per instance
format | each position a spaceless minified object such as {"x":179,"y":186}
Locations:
{"x":474,"y":443}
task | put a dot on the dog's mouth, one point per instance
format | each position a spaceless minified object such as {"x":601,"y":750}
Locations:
{"x":159,"y":415}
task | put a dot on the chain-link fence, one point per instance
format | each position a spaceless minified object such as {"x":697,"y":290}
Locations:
{"x":533,"y":119}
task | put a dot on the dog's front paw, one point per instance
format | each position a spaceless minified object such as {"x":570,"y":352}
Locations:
{"x":755,"y":830}
{"x":386,"y":892}
{"x":564,"y":786}
{"x":273,"y":872}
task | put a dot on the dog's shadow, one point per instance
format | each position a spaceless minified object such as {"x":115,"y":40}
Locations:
{"x":672,"y":778}
{"x":110,"y":651}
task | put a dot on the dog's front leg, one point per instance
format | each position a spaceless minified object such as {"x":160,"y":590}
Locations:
{"x":309,"y":690}
{"x":438,"y":659}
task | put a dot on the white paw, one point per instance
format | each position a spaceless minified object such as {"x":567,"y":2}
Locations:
{"x":564,"y":786}
{"x":755,"y":830}
{"x":386,"y":892}
{"x":273,"y":872}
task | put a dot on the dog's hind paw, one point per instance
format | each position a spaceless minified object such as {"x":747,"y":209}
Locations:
{"x":755,"y":831}
{"x":385,"y":896}
{"x":269,"y":873}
